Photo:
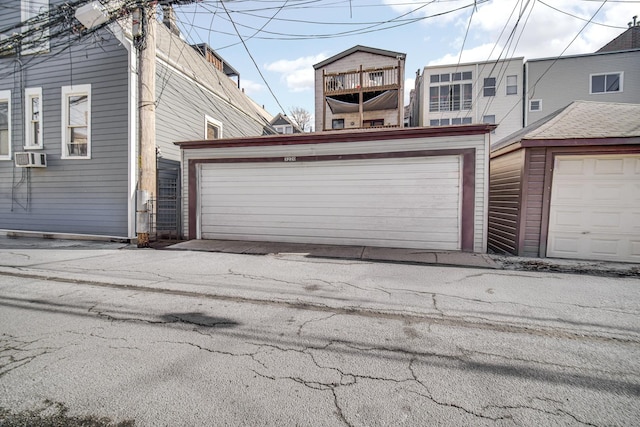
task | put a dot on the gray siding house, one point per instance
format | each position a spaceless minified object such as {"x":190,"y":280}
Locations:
{"x":68,"y":99}
{"x":553,"y":83}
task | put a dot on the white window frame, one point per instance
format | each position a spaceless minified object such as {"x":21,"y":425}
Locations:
{"x":29,"y":94}
{"x":216,"y":123}
{"x":30,"y":9}
{"x":493,"y":88}
{"x":514,"y":77}
{"x":531,"y":101}
{"x":68,"y":91}
{"x":5,"y":96}
{"x":605,"y":92}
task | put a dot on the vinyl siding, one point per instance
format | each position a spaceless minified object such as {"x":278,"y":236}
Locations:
{"x":181,"y":109}
{"x":478,"y":142}
{"x":81,"y":196}
{"x":504,"y":202}
{"x":568,"y":79}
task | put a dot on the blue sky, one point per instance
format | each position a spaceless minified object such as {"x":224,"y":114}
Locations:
{"x":286,"y":37}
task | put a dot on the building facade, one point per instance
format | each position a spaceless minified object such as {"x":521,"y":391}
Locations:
{"x":361,"y":87}
{"x":485,"y":92}
{"x":553,"y":83}
{"x":69,"y":122}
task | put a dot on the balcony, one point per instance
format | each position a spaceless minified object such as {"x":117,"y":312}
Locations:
{"x":370,"y":80}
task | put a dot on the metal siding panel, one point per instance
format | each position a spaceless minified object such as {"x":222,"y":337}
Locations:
{"x":504,"y":202}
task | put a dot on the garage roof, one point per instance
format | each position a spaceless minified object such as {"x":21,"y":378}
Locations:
{"x":580,"y":120}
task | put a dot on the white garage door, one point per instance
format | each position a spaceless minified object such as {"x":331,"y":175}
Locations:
{"x":397,"y":202}
{"x":595,"y":208}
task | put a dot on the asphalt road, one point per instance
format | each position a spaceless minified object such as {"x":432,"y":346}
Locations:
{"x":153,"y":338}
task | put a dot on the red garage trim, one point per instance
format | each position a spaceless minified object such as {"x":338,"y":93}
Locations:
{"x":468,"y":181}
{"x":340,"y":137}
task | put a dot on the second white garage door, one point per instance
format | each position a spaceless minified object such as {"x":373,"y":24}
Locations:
{"x":396,"y":202}
{"x":595,"y":208}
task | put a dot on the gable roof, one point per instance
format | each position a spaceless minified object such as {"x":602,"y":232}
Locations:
{"x":360,"y":48}
{"x":580,"y":120}
{"x":630,"y":39}
{"x":283,"y":119}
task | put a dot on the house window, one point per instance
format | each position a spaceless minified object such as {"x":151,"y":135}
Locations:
{"x":489,"y":119}
{"x":512,"y":85}
{"x":535,"y":105}
{"x":212,"y":128}
{"x":376,"y":78}
{"x":37,"y":39}
{"x":33,"y":122}
{"x":606,"y":83}
{"x":373,"y":123}
{"x":489,"y":88}
{"x":461,"y":121}
{"x":435,"y":122}
{"x":5,"y":125}
{"x":76,"y":122}
{"x":337,"y":124}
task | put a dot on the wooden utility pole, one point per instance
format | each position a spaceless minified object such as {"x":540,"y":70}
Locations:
{"x":146,"y":122}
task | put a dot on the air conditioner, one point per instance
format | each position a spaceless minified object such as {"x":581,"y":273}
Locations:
{"x":31,"y":160}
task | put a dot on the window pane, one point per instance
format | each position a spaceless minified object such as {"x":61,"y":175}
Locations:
{"x":78,"y":108}
{"x":212,"y":131}
{"x":512,"y":85}
{"x":4,"y":128}
{"x":456,"y":76}
{"x":489,"y":86}
{"x":434,"y":122}
{"x":467,"y":101}
{"x":455,"y":95}
{"x":597,"y":84}
{"x":489,"y":119}
{"x":435,"y":78}
{"x":35,"y":108}
{"x":77,"y":145}
{"x":456,"y":121}
{"x":444,"y":122}
{"x":444,"y":77}
{"x":337,"y":124}
{"x":434,"y":92}
{"x":613,"y":82}
{"x":466,"y":120}
{"x":466,"y":75}
{"x":444,"y":98}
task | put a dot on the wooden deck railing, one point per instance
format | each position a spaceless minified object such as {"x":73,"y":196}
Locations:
{"x":375,"y":79}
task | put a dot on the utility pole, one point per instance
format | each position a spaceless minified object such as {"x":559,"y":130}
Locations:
{"x":146,"y":44}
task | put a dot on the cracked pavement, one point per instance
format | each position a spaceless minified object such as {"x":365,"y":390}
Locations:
{"x":191,"y":338}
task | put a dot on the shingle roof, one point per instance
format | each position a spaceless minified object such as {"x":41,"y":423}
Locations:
{"x":581,"y":120}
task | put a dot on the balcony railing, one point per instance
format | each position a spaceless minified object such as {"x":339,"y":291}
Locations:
{"x":377,"y":79}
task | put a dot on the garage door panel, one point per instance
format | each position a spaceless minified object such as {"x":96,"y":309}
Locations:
{"x":410,"y":202}
{"x":595,"y":208}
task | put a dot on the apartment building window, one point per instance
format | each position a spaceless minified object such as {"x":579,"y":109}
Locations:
{"x":33,"y":123}
{"x":451,"y":96}
{"x":213,"y":128}
{"x":489,"y":88}
{"x":606,"y":83}
{"x":461,"y":121}
{"x":535,"y":105}
{"x":5,"y":124}
{"x":337,"y":124}
{"x":76,"y":122}
{"x":38,"y":39}
{"x":512,"y":85}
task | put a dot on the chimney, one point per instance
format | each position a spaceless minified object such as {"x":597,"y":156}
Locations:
{"x":169,"y":19}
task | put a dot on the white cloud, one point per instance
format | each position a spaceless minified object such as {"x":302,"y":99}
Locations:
{"x":298,"y":74}
{"x":547,"y":32}
{"x":251,"y":87}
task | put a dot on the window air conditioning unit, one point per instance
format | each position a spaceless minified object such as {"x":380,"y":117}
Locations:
{"x":31,"y":160}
